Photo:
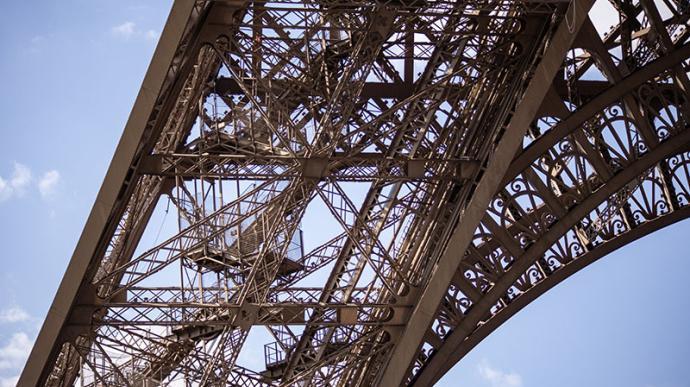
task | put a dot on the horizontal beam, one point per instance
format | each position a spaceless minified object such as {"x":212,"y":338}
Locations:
{"x":293,"y":313}
{"x":391,"y":90}
{"x":362,"y":167}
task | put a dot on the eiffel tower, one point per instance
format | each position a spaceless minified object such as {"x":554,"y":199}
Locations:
{"x":362,"y":191}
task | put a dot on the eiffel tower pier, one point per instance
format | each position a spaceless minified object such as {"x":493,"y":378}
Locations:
{"x":359,"y":192}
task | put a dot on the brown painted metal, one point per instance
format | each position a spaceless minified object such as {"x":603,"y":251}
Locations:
{"x":411,"y":338}
{"x":165,"y":63}
{"x":465,"y":157}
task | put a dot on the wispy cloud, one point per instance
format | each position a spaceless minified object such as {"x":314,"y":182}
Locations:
{"x":22,"y":179}
{"x":5,"y":191}
{"x":129,"y":29}
{"x":17,"y":184}
{"x":125,"y":30}
{"x":14,"y":353}
{"x":37,"y":39}
{"x":48,"y":182}
{"x":151,"y":35}
{"x":13,"y":315}
{"x":498,"y":378}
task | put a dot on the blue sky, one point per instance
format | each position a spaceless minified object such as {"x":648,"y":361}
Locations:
{"x":70,"y":73}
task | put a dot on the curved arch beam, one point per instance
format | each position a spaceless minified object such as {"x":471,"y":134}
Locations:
{"x":596,"y":105}
{"x":556,"y":278}
{"x":488,"y":306}
{"x":467,"y":334}
{"x":411,"y":337}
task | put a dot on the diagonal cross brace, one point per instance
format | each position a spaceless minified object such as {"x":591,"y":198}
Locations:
{"x":423,"y":314}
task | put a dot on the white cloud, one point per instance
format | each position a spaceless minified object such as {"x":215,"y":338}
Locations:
{"x":5,"y":190}
{"x":9,"y":382}
{"x":16,"y":185}
{"x":13,"y":315}
{"x":151,"y":35}
{"x":15,"y":352}
{"x":20,"y":178}
{"x":498,"y":378}
{"x":48,"y":182}
{"x":125,"y":30}
{"x":129,"y":29}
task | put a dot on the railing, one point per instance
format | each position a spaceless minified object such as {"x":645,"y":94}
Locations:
{"x":275,"y":355}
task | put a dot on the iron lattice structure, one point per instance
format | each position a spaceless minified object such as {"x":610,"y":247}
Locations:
{"x":375,"y":186}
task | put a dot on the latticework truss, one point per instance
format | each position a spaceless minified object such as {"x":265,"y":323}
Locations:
{"x":361,"y":191}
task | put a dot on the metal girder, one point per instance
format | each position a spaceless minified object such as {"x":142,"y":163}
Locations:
{"x":463,"y":338}
{"x":177,"y":314}
{"x":422,"y":316}
{"x":396,"y":125}
{"x":596,"y":105}
{"x":165,"y":67}
{"x":452,"y":350}
{"x":495,"y":302}
{"x":361,"y":167}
